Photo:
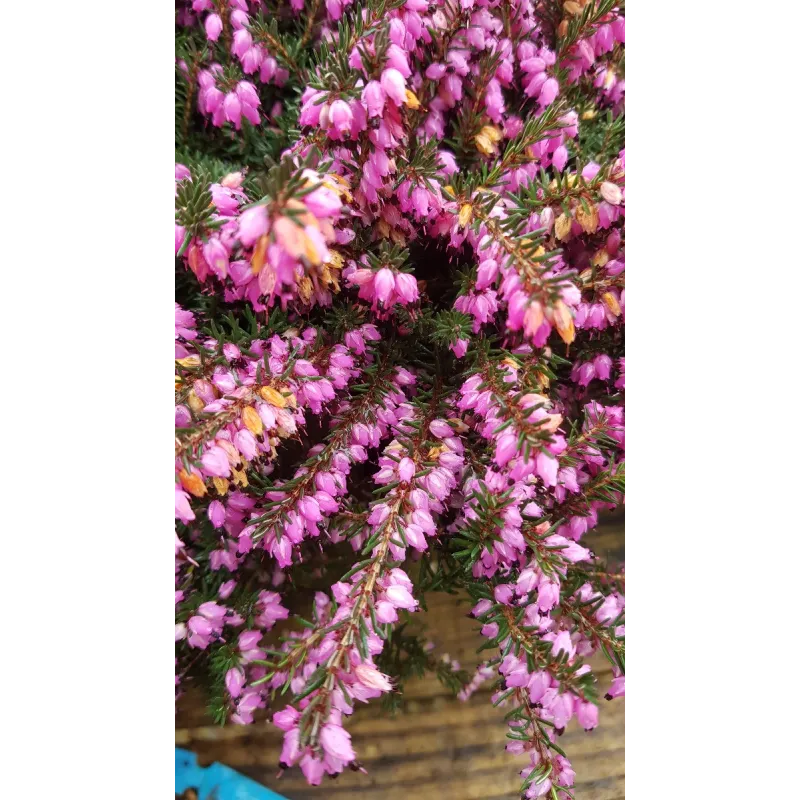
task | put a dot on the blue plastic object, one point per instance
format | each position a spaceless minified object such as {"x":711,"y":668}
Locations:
{"x":216,"y":782}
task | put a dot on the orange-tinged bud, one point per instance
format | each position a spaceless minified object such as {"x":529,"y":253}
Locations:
{"x":192,"y":482}
{"x":336,"y":261}
{"x":612,"y":304}
{"x":564,"y":323}
{"x":305,"y":288}
{"x":221,"y":485}
{"x":412,"y":101}
{"x":233,"y":180}
{"x":311,"y":252}
{"x":189,"y":361}
{"x":534,"y":399}
{"x":259,"y":254}
{"x":240,"y":478}
{"x":290,"y":236}
{"x":534,"y":317}
{"x":587,"y":219}
{"x":234,"y":457}
{"x":563,"y":226}
{"x":486,"y":143}
{"x":552,"y":422}
{"x":252,"y":421}
{"x":196,"y":261}
{"x":272,"y":396}
{"x":465,"y":215}
{"x":195,"y":403}
{"x":611,"y":193}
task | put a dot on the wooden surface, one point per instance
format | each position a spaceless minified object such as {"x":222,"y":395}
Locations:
{"x":435,"y":746}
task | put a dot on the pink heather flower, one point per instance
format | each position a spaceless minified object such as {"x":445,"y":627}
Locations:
{"x":419,"y":200}
{"x":548,"y":595}
{"x":215,"y":462}
{"x":385,"y":612}
{"x":234,"y":681}
{"x":563,"y":643}
{"x":481,"y":607}
{"x":242,"y":42}
{"x":406,"y":287}
{"x":239,"y":19}
{"x":396,"y":58}
{"x":617,"y":688}
{"x":506,"y":448}
{"x":384,"y":284}
{"x":216,"y":513}
{"x":587,"y":715}
{"x":372,"y":678}
{"x":213,"y":27}
{"x":232,"y":108}
{"x":312,"y":768}
{"x":200,"y":626}
{"x":309,"y":508}
{"x":549,"y":92}
{"x":253,"y":224}
{"x":406,"y":469}
{"x":323,"y":202}
{"x":286,"y":719}
{"x":183,"y":510}
{"x":249,"y":702}
{"x":400,"y":597}
{"x":560,"y":157}
{"x":248,"y":640}
{"x":335,"y":740}
{"x":341,"y":116}
{"x":440,"y":429}
{"x":394,"y":84}
{"x":216,"y":256}
{"x":374,"y":98}
{"x":460,"y":347}
{"x":247,"y":94}
{"x":504,"y":593}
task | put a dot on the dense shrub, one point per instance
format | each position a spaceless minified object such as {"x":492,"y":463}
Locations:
{"x":400,"y":265}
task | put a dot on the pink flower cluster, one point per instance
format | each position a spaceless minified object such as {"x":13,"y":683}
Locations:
{"x":256,"y":401}
{"x":399,"y":345}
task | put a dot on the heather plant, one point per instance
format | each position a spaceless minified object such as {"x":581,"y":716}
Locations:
{"x":400,"y":263}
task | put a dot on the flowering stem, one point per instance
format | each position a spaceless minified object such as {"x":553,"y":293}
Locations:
{"x":531,"y":264}
{"x":361,"y":410}
{"x":319,"y":708}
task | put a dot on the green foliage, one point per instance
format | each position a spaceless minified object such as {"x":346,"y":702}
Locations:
{"x":602,"y":137}
{"x":193,"y":208}
{"x":450,"y":326}
{"x":407,"y":655}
